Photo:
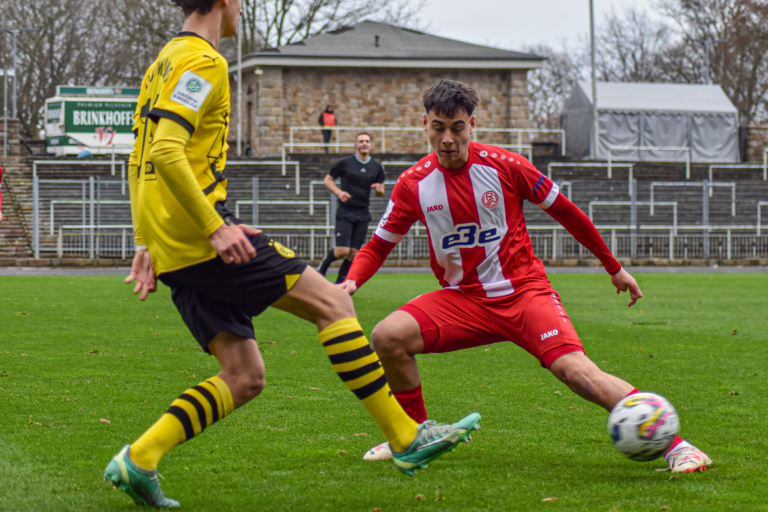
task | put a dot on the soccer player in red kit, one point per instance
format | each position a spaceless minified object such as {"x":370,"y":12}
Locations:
{"x":470,"y":198}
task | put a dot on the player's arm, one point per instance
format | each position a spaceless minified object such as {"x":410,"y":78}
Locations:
{"x":578,"y":224}
{"x":545,"y":194}
{"x":398,"y":218}
{"x":178,"y":114}
{"x":169,"y":158}
{"x":330,"y":184}
{"x":378,"y":185}
{"x":142,"y":271}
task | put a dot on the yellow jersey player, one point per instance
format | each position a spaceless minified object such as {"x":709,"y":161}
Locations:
{"x":221,"y":272}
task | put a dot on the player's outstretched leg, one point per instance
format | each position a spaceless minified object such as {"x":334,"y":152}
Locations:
{"x":588,"y":381}
{"x":330,"y":308}
{"x":134,"y":468}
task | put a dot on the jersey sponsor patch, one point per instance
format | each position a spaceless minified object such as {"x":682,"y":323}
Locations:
{"x":191,"y":91}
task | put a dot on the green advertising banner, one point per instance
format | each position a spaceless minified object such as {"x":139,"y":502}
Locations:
{"x":54,"y":112}
{"x":89,"y":116}
{"x":63,"y":90}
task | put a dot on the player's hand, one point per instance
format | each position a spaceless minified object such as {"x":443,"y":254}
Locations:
{"x":623,"y":282}
{"x":249,"y":230}
{"x":349,"y":286}
{"x":232,"y":245}
{"x":143,"y":273}
{"x":344,"y":196}
{"x":1,"y":216}
{"x":379,"y":188}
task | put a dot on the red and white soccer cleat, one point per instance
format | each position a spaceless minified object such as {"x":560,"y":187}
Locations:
{"x":380,"y":452}
{"x":688,"y":460}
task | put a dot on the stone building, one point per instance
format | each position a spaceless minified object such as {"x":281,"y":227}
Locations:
{"x":373,"y":74}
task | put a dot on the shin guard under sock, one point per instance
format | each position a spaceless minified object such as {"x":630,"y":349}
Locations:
{"x":197,"y":408}
{"x":359,"y":368}
{"x":412,"y":401}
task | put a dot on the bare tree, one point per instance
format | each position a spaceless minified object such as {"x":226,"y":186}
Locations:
{"x":630,"y":47}
{"x":63,"y":50}
{"x":550,"y":85}
{"x":739,"y":65}
{"x":274,"y":23}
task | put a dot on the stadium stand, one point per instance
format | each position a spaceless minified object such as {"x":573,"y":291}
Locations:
{"x":84,"y":213}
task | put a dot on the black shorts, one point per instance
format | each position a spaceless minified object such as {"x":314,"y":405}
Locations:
{"x":352,"y":228}
{"x":214,"y":297}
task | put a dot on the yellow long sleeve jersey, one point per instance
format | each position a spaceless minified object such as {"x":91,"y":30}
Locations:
{"x":176,"y":167}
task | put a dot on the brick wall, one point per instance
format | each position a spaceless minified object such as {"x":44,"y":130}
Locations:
{"x":757,"y":142}
{"x":283,"y":97}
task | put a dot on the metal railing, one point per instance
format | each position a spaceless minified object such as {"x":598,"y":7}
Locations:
{"x":336,"y":129}
{"x":685,"y":149}
{"x":549,"y":242}
{"x":762,"y":166}
{"x":760,"y":204}
{"x":108,"y":241}
{"x":556,"y":165}
{"x":384,"y":130}
{"x":709,"y":185}
{"x":519,"y":132}
{"x":282,"y":163}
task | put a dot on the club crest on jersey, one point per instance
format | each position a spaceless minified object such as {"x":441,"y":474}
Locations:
{"x":549,"y":334}
{"x":434,"y":208}
{"x":490,"y":199}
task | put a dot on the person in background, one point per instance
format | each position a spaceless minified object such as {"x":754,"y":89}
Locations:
{"x":327,"y":118}
{"x":359,"y":174}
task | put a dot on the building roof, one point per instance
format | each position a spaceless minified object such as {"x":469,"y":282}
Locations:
{"x":372,"y":44}
{"x":623,"y":96}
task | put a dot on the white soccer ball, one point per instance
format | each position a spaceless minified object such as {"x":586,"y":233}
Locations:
{"x":643,"y":425}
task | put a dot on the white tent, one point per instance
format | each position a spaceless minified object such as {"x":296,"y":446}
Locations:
{"x":700,"y":117}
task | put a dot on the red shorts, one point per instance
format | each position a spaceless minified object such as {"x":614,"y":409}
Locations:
{"x":534,"y":320}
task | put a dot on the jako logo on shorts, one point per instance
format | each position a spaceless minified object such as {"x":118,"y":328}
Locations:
{"x":549,"y":334}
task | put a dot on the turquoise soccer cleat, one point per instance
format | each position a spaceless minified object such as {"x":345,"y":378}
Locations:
{"x":141,"y":485}
{"x":432,"y":441}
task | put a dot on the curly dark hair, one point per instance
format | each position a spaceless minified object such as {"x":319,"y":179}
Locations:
{"x":199,"y":6}
{"x":449,"y":98}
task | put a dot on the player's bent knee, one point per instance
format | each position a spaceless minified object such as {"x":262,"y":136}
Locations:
{"x":385,"y":340}
{"x":338,"y":305}
{"x":341,"y":252}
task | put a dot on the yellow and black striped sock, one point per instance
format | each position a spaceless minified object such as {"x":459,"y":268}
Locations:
{"x":199,"y":407}
{"x":359,"y":367}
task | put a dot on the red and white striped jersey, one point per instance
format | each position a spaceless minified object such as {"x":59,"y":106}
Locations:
{"x":474,"y":218}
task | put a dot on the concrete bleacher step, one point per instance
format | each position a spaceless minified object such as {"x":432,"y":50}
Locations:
{"x":587,"y":184}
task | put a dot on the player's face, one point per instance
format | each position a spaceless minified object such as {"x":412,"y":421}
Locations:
{"x":363,"y":144}
{"x":449,"y":137}
{"x":232,"y":12}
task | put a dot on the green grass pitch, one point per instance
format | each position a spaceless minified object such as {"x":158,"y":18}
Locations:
{"x":75,"y":350}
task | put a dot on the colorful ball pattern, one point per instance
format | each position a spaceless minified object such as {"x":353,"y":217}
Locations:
{"x":643,"y":426}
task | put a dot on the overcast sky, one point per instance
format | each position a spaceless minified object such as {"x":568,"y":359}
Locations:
{"x":513,"y":24}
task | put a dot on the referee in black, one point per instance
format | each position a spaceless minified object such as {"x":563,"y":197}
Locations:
{"x":359,"y":174}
